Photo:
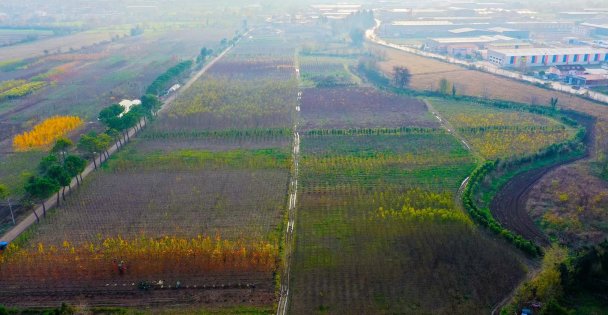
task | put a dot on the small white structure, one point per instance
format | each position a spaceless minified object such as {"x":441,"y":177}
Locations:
{"x":127,"y":104}
{"x":174,"y":88}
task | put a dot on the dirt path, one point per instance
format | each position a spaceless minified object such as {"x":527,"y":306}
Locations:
{"x":38,"y":213}
{"x":282,"y":306}
{"x":509,"y":205}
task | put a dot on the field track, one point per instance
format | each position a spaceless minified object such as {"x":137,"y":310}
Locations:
{"x":52,"y":201}
{"x":509,"y":204}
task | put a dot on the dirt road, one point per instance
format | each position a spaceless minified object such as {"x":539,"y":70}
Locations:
{"x":509,"y":205}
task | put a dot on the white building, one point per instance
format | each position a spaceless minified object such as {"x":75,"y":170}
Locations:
{"x":127,"y":104}
{"x":545,"y":57}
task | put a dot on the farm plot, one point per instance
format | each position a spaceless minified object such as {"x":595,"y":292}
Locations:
{"x":427,"y":72}
{"x":378,"y":230}
{"x":198,"y":217}
{"x":277,"y":69}
{"x":326,"y":72}
{"x":220,"y":103}
{"x":184,"y":202}
{"x":338,"y":108}
{"x":83,"y":82}
{"x":497,"y":133}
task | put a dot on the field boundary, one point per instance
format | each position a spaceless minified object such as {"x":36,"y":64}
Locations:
{"x":282,"y":306}
{"x":38,"y":212}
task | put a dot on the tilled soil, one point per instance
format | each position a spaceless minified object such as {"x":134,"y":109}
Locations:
{"x":216,"y":293}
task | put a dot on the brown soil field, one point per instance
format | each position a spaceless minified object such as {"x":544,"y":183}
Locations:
{"x":62,"y":43}
{"x":204,"y":291}
{"x":427,"y":72}
{"x":335,"y":108}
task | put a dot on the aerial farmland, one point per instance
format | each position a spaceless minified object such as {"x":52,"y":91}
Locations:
{"x":194,"y":157}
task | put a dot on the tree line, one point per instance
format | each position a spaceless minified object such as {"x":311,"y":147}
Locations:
{"x":56,"y":171}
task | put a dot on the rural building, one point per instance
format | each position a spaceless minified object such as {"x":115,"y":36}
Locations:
{"x":594,"y":29}
{"x":127,"y":104}
{"x":173,"y":88}
{"x":469,"y":32}
{"x":543,"y":57}
{"x":509,"y":45}
{"x":587,"y":80}
{"x":463,"y":45}
{"x":510,"y":32}
{"x":559,"y":72}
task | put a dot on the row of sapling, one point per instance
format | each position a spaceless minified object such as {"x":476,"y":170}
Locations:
{"x":118,"y":122}
{"x":55,"y":173}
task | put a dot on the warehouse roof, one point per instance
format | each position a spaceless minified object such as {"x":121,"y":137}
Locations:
{"x":551,"y":51}
{"x":502,"y":29}
{"x":602,"y":26}
{"x":463,"y":30}
{"x":421,"y":23}
{"x":477,"y":39}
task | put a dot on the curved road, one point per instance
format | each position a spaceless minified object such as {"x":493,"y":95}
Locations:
{"x":509,"y":204}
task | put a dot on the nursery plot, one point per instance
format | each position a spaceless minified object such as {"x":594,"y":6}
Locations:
{"x":326,"y":72}
{"x":433,"y":161}
{"x":497,"y":133}
{"x":337,"y":108}
{"x":215,"y":104}
{"x":198,"y":217}
{"x":278,"y":69}
{"x":378,"y":230}
{"x":199,"y":197}
{"x":155,"y":139}
{"x":81,"y":83}
{"x":179,"y":203}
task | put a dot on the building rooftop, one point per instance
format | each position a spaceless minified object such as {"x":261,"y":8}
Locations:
{"x":421,"y":23}
{"x":602,"y":26}
{"x":477,"y":39}
{"x":462,"y":30}
{"x":501,"y":29}
{"x":592,"y":77}
{"x":551,"y":51}
{"x":570,"y":67}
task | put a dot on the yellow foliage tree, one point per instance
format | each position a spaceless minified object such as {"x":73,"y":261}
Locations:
{"x":46,"y":132}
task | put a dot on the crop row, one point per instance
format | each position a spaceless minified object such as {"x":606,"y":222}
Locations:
{"x":21,"y":90}
{"x":46,"y":132}
{"x":138,"y":258}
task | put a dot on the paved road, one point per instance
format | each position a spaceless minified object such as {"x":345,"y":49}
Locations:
{"x":488,"y":67}
{"x":52,"y":201}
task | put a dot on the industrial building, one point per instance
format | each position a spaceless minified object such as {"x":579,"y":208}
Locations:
{"x":544,"y":57}
{"x":464,"y":45}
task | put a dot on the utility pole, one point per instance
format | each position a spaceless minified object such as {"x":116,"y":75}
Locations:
{"x":10,"y":207}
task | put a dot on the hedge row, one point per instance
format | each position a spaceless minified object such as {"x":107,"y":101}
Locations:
{"x":373,"y":131}
{"x":163,"y":82}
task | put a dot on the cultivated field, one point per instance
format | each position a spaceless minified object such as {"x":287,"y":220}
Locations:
{"x":340,"y":108}
{"x":60,"y":43}
{"x":377,"y":229}
{"x":496,"y":133}
{"x":80,"y":83}
{"x":198,"y":207}
{"x":569,"y":204}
